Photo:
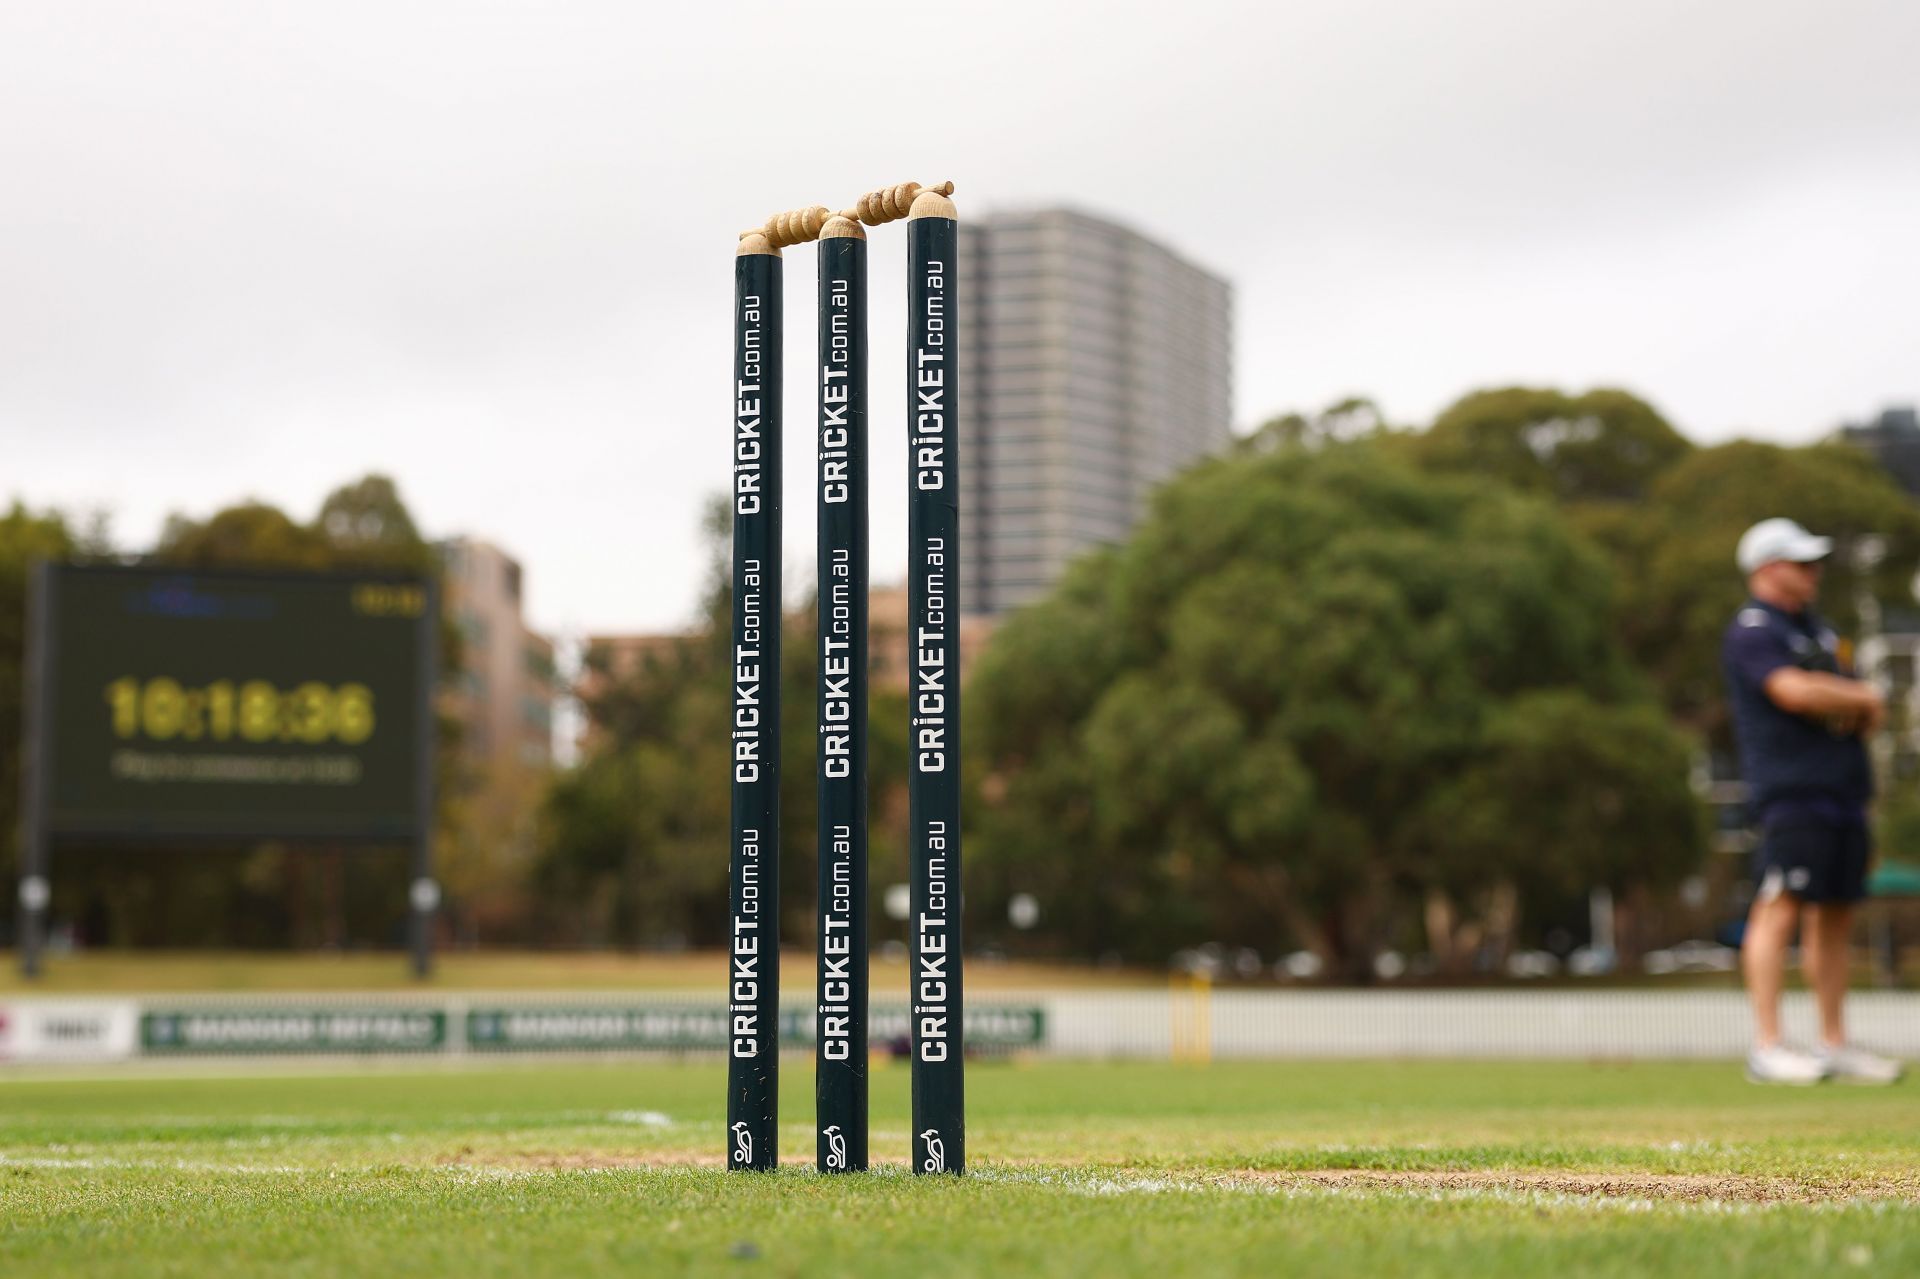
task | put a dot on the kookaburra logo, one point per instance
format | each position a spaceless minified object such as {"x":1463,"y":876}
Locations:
{"x":742,"y":1143}
{"x":836,"y":1146}
{"x":936,"y":1151}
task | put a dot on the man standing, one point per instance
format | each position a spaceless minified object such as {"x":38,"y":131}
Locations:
{"x":1801,"y":720}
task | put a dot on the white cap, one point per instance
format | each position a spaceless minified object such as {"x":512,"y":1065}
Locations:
{"x":1780,"y":539}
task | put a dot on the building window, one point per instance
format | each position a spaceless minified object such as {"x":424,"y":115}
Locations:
{"x":540,"y":664}
{"x":536,"y":712}
{"x":473,"y":628}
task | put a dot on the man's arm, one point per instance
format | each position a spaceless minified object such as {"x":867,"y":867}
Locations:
{"x":1849,"y":705}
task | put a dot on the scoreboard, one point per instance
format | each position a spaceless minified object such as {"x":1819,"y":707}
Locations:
{"x":209,"y":705}
{"x":183,"y":707}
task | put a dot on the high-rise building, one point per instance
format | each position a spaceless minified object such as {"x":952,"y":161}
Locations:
{"x":1095,"y":363}
{"x":504,"y":691}
{"x":1894,"y":439}
{"x":503,"y":694}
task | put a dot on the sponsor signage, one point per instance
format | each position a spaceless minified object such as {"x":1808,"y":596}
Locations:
{"x":590,"y":1027}
{"x":110,"y":1030}
{"x":196,"y":1031}
{"x":703,"y":1027}
{"x":80,"y":1030}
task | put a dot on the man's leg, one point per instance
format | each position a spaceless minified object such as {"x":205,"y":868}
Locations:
{"x":1763,"y":958}
{"x":1825,"y":949}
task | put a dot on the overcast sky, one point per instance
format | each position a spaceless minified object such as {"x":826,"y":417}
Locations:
{"x":257,"y":249}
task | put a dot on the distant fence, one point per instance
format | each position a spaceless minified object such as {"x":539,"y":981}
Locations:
{"x":294,"y":1025}
{"x":1590,"y":1024}
{"x":1584,"y":1024}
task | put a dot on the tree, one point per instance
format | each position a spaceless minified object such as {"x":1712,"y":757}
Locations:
{"x":249,"y":535}
{"x":1342,"y":422}
{"x":1245,"y":720}
{"x":635,"y":838}
{"x":1603,"y":446}
{"x":367,"y":520}
{"x":1680,"y":585}
{"x":361,"y":525}
{"x":1600,"y":786}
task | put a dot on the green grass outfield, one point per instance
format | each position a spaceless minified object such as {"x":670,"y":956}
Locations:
{"x":1353,"y":1168}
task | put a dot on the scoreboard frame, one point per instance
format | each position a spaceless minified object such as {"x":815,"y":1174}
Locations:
{"x":40,"y":836}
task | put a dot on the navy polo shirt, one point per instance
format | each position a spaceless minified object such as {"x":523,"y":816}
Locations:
{"x":1795,"y":767}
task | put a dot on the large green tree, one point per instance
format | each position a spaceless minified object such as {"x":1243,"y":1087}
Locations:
{"x":1670,"y":516}
{"x":368,"y":520}
{"x":246,"y":535}
{"x":1604,"y":445}
{"x":364,"y":524}
{"x":1680,"y":586}
{"x":1247,"y":723}
{"x":1342,"y":422}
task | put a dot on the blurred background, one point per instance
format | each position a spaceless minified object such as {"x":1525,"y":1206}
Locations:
{"x":1366,"y":401}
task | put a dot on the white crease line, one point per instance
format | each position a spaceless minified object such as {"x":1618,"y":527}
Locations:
{"x":109,"y":1162}
{"x":115,"y":1163}
{"x":645,"y":1118}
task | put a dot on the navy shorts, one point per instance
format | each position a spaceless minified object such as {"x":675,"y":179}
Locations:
{"x":1816,"y":861}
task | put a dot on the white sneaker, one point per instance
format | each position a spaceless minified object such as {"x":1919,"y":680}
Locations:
{"x":1858,"y":1066}
{"x":1779,"y":1064}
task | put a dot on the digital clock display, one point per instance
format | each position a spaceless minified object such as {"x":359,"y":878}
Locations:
{"x":236,"y":704}
{"x":161,"y":710}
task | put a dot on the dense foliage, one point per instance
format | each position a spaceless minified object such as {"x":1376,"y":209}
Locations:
{"x":1314,"y":687}
{"x":1603,"y":446}
{"x":635,"y":850}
